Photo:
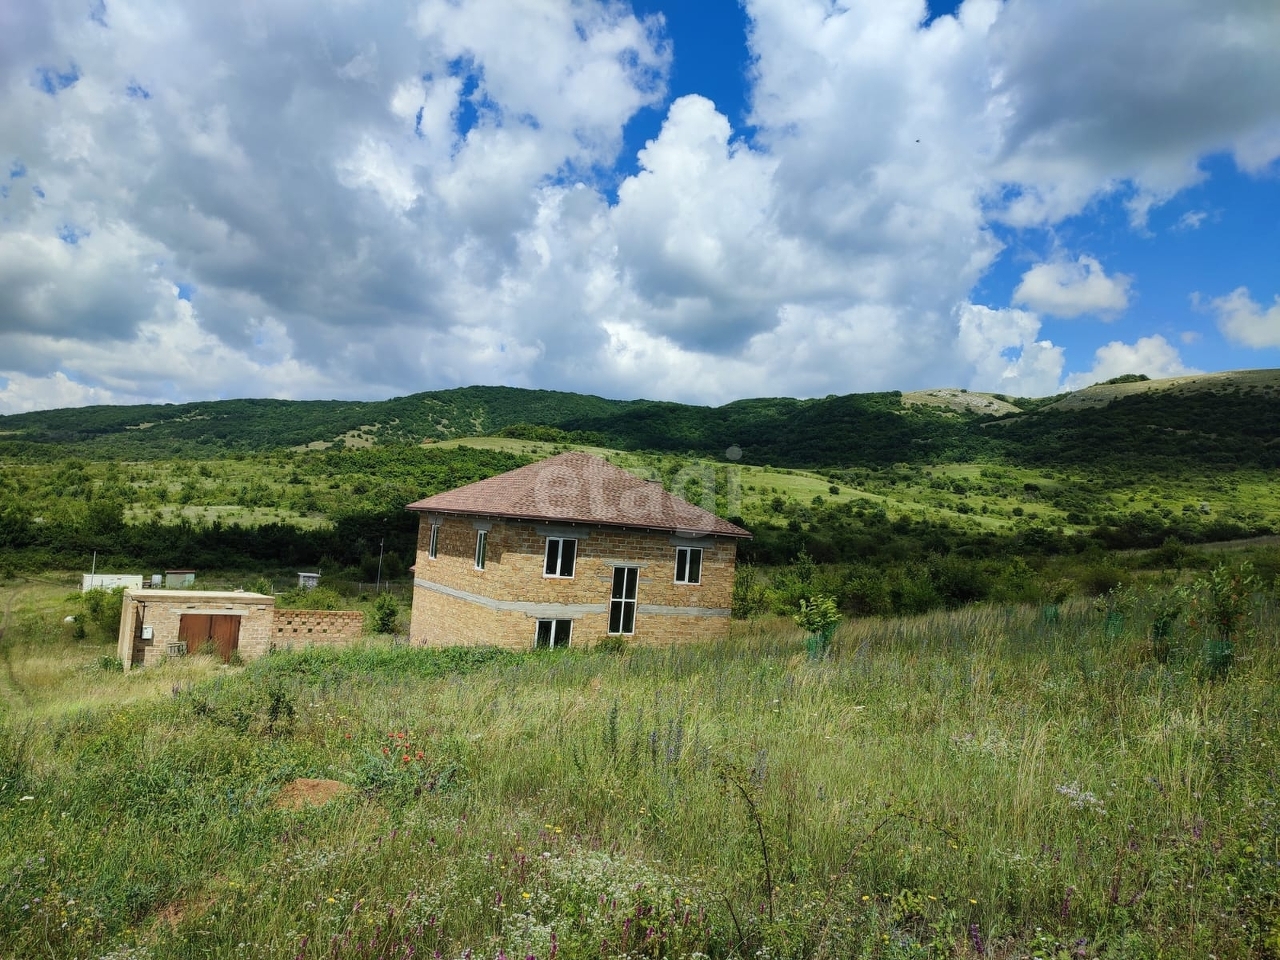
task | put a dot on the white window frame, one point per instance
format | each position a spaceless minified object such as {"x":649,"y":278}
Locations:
{"x":553,"y":628}
{"x":433,"y":545}
{"x":688,"y":553}
{"x":559,"y":562}
{"x":624,"y":602}
{"x":482,"y":542}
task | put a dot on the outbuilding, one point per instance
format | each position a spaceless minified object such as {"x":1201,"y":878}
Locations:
{"x":158,"y":624}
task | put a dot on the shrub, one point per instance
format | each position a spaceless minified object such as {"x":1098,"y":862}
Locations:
{"x":385,"y":614}
{"x":750,"y":596}
{"x":818,"y":615}
{"x":613,"y":643}
{"x":321,"y":598}
{"x":103,"y":608}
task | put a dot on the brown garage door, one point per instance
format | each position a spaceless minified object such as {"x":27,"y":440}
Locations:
{"x":222,"y":630}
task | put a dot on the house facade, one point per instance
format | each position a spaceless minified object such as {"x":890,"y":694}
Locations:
{"x":566,"y":552}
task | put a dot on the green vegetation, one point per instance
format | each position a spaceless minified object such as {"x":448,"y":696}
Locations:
{"x":337,"y":510}
{"x":1230,"y":420}
{"x":989,"y":781}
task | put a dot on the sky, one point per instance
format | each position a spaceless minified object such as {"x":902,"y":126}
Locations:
{"x":694,"y":201}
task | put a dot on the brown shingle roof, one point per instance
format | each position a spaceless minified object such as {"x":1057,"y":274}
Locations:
{"x":579,"y":488}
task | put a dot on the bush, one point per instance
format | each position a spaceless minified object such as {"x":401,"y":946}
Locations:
{"x":818,"y":615}
{"x":750,"y":596}
{"x":321,"y":598}
{"x":102,"y":607}
{"x":385,"y":614}
{"x":613,"y":643}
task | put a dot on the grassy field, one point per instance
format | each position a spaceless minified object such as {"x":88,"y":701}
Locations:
{"x":986,"y":782}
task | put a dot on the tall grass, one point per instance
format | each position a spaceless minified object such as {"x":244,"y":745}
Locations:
{"x":983,"y":782}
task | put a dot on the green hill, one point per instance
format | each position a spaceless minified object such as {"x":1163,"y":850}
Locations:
{"x":1213,"y":420}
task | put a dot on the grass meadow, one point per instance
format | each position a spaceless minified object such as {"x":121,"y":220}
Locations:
{"x":985,"y":782}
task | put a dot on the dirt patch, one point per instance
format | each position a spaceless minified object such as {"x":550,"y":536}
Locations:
{"x":960,"y":400}
{"x":172,"y":914}
{"x":304,"y":792}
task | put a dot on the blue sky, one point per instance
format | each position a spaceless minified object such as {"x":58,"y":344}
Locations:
{"x":696,"y":201}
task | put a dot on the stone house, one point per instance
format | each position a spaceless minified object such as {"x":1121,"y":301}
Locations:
{"x":567,"y":551}
{"x":158,"y":624}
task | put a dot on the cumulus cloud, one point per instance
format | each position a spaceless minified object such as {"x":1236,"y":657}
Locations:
{"x":1242,"y":320}
{"x":1070,"y":289}
{"x":1076,"y":124}
{"x":1005,"y":354}
{"x":378,"y":199}
{"x":1153,"y":355}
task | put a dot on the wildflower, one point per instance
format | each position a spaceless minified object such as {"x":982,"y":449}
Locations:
{"x":1081,"y":799}
{"x":526,"y":895}
{"x":975,"y":936}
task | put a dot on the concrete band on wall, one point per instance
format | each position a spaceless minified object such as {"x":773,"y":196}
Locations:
{"x":549,"y":611}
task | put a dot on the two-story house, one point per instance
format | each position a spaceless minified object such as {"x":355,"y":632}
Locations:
{"x":568,"y":551}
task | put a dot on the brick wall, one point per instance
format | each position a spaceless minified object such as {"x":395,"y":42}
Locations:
{"x":294,"y":628}
{"x":513,"y":575}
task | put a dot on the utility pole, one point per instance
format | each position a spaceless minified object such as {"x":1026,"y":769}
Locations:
{"x":378,"y":586}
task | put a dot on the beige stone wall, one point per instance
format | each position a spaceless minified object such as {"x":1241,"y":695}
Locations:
{"x":513,"y":576}
{"x":295,"y":628}
{"x":442,"y":621}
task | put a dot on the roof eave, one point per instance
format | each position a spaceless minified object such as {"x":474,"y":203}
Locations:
{"x":531,"y":518}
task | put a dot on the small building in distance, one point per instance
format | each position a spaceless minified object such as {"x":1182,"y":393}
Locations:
{"x":109,"y":581}
{"x":178,"y":579}
{"x":568,"y":551}
{"x":308,"y":581}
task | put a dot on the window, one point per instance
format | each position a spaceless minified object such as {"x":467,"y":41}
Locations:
{"x":482,"y":539}
{"x":688,"y":564}
{"x":561,"y":552}
{"x":435,"y":541}
{"x":622,"y":603}
{"x":552,"y":634}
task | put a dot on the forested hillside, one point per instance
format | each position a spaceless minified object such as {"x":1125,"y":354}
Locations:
{"x":1224,"y":424}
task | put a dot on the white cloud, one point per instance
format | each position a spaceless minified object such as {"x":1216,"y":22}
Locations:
{"x":379,"y":199}
{"x":1153,"y":355}
{"x":21,"y":393}
{"x":1099,"y":96}
{"x":1191,"y":220}
{"x":1244,"y":321}
{"x":1006,"y":356}
{"x":1070,"y":289}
